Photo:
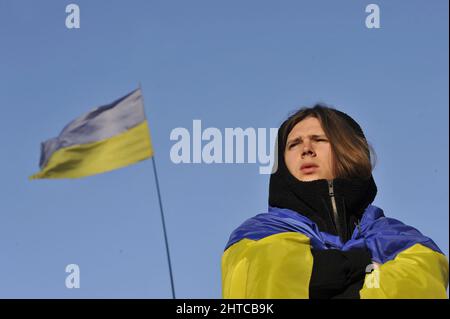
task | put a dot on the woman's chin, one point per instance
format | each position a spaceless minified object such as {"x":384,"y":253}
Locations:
{"x":309,"y":178}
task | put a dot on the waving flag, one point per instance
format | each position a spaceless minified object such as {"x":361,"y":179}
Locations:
{"x":107,"y":138}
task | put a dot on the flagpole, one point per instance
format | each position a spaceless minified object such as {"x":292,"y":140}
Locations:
{"x":164,"y":226}
{"x":162,"y":215}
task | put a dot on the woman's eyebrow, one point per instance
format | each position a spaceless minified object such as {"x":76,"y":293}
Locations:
{"x":298,"y":138}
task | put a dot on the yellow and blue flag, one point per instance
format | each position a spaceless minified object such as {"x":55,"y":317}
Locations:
{"x":107,"y":138}
{"x":270,"y":256}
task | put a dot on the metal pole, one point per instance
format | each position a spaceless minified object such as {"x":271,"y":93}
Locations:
{"x":162,"y":214}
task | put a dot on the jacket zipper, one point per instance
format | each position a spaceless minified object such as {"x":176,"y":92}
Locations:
{"x":333,"y":206}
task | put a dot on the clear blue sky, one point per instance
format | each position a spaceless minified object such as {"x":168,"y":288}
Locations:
{"x":229,"y":64}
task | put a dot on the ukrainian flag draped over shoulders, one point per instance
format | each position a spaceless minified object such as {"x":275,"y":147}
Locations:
{"x":107,"y":138}
{"x":269,"y":256}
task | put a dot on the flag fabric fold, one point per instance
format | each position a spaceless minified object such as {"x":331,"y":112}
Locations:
{"x":107,"y":138}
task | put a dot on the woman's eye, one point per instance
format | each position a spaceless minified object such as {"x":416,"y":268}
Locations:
{"x":315,"y":140}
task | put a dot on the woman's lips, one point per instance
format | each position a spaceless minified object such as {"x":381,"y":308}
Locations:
{"x":309,"y":169}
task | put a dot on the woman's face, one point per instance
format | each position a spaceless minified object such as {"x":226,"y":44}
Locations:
{"x":306,"y":145}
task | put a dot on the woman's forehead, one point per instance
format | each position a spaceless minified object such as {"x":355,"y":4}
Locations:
{"x":308,"y":126}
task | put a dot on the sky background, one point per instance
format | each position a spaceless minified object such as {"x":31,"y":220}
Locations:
{"x":229,"y":64}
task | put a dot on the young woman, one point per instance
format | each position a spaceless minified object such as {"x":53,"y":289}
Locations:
{"x":321,"y":236}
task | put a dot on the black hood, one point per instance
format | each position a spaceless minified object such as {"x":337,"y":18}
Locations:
{"x":312,"y":199}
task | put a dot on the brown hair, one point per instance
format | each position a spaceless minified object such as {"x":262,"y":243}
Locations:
{"x":352,"y":153}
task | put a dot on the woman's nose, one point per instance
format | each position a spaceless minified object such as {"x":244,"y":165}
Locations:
{"x":307,"y":149}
